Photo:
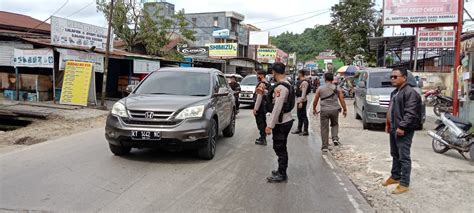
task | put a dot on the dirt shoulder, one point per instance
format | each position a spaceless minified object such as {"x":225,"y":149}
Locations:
{"x":439,"y":183}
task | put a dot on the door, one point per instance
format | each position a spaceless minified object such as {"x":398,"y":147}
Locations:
{"x":361,"y":92}
{"x":226,"y":101}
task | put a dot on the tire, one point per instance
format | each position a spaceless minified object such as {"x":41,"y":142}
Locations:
{"x":436,"y":110}
{"x":208,"y":151}
{"x":229,"y":131}
{"x":357,"y":116}
{"x":437,"y":146}
{"x":365,"y":125}
{"x":119,"y":150}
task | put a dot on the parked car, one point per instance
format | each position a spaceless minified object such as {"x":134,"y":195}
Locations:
{"x":247,"y":87}
{"x":175,"y":109}
{"x":372,"y":96}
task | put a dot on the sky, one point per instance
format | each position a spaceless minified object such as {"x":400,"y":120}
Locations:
{"x":255,"y":11}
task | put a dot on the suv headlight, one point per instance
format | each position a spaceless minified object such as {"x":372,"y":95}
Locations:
{"x":191,"y":112}
{"x":372,"y":99}
{"x":119,"y":110}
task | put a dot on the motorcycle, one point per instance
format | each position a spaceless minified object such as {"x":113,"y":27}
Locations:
{"x":452,"y":133}
{"x":430,"y":96}
{"x":442,"y":104}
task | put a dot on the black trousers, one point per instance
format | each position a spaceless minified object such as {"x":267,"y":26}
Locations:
{"x":237,"y":102}
{"x":280,"y":139}
{"x":400,"y":150}
{"x":261,"y":120}
{"x":302,"y":117}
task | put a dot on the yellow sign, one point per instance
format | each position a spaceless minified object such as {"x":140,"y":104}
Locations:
{"x":223,"y":50}
{"x":76,"y":83}
{"x":266,"y":55}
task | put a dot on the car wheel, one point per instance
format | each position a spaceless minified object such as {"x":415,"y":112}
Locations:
{"x":357,"y":116}
{"x":119,"y":150}
{"x":230,"y":130}
{"x":365,"y":125}
{"x":209,"y":150}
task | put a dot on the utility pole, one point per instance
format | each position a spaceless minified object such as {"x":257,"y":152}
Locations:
{"x":107,"y":52}
{"x":457,"y":59}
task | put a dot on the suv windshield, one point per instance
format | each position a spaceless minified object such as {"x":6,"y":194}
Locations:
{"x":176,"y":83}
{"x":379,"y":80}
{"x":250,"y":80}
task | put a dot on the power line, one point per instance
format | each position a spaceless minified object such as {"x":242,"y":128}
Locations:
{"x":276,"y":19}
{"x":78,"y":11}
{"x":55,"y":12}
{"x":300,"y":20}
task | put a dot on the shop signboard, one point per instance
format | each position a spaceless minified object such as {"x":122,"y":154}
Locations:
{"x":33,"y":58}
{"x":195,"y":52}
{"x":76,"y":83}
{"x":221,"y":33}
{"x":266,"y":55}
{"x":74,"y":55}
{"x":435,"y":39}
{"x":222,"y":50}
{"x":259,"y":37}
{"x":145,"y":66}
{"x":72,"y":33}
{"x":417,"y":12}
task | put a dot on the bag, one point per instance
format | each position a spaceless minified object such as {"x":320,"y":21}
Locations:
{"x":299,"y":92}
{"x":289,"y":103}
{"x":335,"y":92}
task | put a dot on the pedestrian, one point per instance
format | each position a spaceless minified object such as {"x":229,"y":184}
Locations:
{"x":332,"y":98}
{"x":316,"y":84}
{"x":259,"y":108}
{"x":281,"y":101}
{"x":302,"y":90}
{"x":235,"y":86}
{"x":403,"y":117}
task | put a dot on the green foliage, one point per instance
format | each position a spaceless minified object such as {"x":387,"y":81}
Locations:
{"x":135,"y":25}
{"x":308,"y":44}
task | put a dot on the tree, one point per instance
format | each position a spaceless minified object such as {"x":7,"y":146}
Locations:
{"x":138,"y":26}
{"x":354,"y":21}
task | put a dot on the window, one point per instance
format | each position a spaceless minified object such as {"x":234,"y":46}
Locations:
{"x":176,"y":83}
{"x":222,"y":81}
{"x":216,"y":21}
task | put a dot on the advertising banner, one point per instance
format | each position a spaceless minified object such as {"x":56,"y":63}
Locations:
{"x":33,"y":58}
{"x":221,"y":33}
{"x":435,"y":39}
{"x":73,"y":55}
{"x":222,"y":49}
{"x":76,"y":83}
{"x":258,"y":38}
{"x":266,"y":55}
{"x":145,"y":66}
{"x":416,"y":12}
{"x":195,"y":52}
{"x":73,"y":33}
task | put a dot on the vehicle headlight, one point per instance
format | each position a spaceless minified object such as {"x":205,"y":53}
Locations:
{"x":373,"y":99}
{"x":119,"y":110}
{"x":191,"y":112}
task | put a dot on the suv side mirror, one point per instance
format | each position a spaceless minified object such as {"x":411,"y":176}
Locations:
{"x":222,"y":92}
{"x":130,"y":88}
{"x":361,"y":84}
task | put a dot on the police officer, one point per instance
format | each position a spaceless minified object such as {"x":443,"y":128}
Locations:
{"x":235,"y":86}
{"x":259,"y":107}
{"x":302,"y":90}
{"x":281,"y":120}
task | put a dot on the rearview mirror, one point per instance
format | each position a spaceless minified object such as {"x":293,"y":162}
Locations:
{"x":361,"y":84}
{"x":222,"y":92}
{"x":130,"y":88}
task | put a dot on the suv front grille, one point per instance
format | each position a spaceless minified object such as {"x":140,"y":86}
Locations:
{"x":384,"y":103}
{"x":150,"y":122}
{"x":162,"y":115}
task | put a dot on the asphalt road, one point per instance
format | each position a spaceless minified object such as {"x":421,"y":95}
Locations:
{"x":78,"y":173}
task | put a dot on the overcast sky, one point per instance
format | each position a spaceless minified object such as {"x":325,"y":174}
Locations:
{"x":255,"y":11}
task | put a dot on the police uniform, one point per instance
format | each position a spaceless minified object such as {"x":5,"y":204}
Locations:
{"x":260,"y":116}
{"x":281,"y":126}
{"x":301,"y":94}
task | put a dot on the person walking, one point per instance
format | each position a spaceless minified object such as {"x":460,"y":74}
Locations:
{"x":403,"y":118}
{"x":280,"y":122}
{"x":259,"y":108}
{"x":235,"y":86}
{"x":302,"y":90}
{"x":332,"y":98}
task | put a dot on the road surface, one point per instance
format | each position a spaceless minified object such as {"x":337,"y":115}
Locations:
{"x":78,"y":173}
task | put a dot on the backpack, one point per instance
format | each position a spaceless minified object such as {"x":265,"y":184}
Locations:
{"x":299,"y":92}
{"x":289,"y":103}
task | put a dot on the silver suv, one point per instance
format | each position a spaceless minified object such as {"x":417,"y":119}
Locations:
{"x":372,"y":96}
{"x":174,"y":109}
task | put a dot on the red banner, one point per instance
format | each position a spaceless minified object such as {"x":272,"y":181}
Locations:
{"x":416,"y":12}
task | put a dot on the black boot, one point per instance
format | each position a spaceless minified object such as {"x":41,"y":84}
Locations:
{"x":277,"y":178}
{"x":305,"y":133}
{"x":296,"y":132}
{"x":261,"y":141}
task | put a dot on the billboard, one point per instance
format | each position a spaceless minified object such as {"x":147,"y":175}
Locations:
{"x":221,"y":33}
{"x":258,"y":38}
{"x":195,"y":52}
{"x":222,"y":49}
{"x":73,"y":33}
{"x":33,"y":58}
{"x":266,"y":55}
{"x":76,"y":83}
{"x":435,"y":39}
{"x":416,"y":12}
{"x":145,"y":66}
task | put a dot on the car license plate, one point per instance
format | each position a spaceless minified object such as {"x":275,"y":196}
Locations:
{"x":145,"y":135}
